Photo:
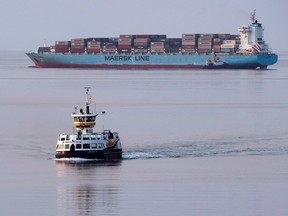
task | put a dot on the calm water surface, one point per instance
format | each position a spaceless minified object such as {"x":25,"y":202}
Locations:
{"x":201,"y":142}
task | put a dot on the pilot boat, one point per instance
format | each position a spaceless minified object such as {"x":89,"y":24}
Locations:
{"x":86,"y":143}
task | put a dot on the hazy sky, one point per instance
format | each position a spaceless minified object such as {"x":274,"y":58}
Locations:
{"x":26,"y":24}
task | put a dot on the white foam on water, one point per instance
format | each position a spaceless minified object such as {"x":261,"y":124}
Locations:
{"x":76,"y":160}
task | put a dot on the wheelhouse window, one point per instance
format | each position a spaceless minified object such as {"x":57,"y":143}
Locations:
{"x":78,"y":146}
{"x":90,"y":119}
{"x":93,"y":136}
{"x":66,"y":146}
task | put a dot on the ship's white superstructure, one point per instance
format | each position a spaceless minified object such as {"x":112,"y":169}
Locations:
{"x":251,"y":37}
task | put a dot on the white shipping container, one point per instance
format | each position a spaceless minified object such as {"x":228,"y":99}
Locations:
{"x":188,"y":36}
{"x":188,"y":43}
{"x":140,"y":40}
{"x":229,"y":42}
{"x":140,"y":50}
{"x":61,"y":42}
{"x":188,"y":39}
{"x":126,"y":36}
{"x":228,"y":46}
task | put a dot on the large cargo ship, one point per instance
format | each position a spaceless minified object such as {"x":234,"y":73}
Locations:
{"x":247,"y":50}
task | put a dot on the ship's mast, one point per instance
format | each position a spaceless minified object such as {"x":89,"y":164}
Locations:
{"x":252,"y":16}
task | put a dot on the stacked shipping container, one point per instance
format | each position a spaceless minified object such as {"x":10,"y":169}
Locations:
{"x":228,"y":46}
{"x":173,"y":45}
{"x":205,"y":43}
{"x":109,"y":47}
{"x":216,"y":45}
{"x":125,"y":44}
{"x":189,"y":43}
{"x":93,"y":47}
{"x":77,"y":45}
{"x":155,"y":44}
{"x":157,"y":47}
{"x":141,"y":43}
{"x":62,"y":46}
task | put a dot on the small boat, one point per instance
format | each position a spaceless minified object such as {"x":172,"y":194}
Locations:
{"x":85,"y":143}
{"x":215,"y":63}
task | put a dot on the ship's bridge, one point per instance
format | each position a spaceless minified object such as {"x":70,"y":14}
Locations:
{"x":84,"y":120}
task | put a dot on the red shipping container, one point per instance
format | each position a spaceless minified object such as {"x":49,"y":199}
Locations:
{"x":93,"y":50}
{"x":77,"y":50}
{"x":124,"y":46}
{"x":142,"y":36}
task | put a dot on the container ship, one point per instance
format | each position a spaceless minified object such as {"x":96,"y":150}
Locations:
{"x":247,"y":50}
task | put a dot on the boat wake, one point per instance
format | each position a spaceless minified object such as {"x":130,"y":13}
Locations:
{"x":211,"y":148}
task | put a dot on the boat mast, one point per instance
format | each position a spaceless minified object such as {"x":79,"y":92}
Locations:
{"x":88,"y":100}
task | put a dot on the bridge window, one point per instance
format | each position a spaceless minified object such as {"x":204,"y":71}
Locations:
{"x":93,"y":136}
{"x":66,"y":146}
{"x":93,"y":145}
{"x":78,"y":146}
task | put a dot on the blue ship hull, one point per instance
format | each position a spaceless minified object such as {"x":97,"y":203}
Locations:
{"x":149,"y":61}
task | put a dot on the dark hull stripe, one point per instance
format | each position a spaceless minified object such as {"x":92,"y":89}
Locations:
{"x":91,"y":154}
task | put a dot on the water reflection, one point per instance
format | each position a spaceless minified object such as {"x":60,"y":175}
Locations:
{"x":87,"y":188}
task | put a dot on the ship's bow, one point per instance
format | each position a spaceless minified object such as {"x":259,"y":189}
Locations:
{"x":267,"y":59}
{"x":34,"y":57}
